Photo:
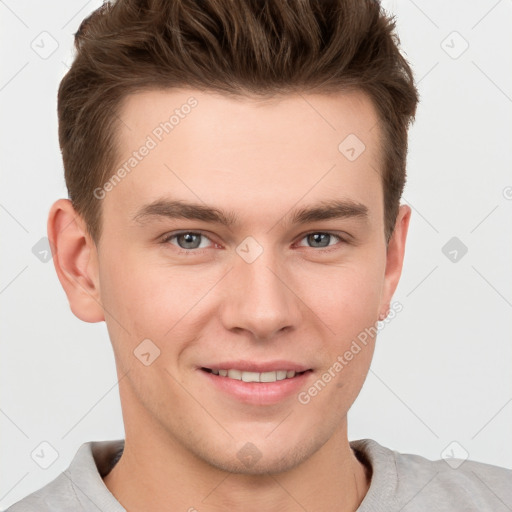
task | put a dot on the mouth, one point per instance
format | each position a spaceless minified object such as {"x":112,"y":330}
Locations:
{"x":263,"y":377}
{"x":262,"y":383}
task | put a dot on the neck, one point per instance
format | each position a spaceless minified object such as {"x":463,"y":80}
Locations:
{"x":156,"y":472}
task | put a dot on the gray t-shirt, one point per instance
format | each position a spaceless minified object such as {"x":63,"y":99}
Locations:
{"x":399,"y":482}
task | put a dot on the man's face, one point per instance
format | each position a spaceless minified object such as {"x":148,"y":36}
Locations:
{"x":270,"y":289}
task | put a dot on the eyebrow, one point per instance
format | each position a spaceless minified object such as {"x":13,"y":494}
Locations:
{"x":175,"y":209}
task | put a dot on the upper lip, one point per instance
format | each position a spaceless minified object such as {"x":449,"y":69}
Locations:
{"x":259,"y":367}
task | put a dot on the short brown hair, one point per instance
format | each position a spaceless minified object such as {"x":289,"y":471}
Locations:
{"x":235,"y":47}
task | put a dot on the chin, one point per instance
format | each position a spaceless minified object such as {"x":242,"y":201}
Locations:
{"x":260,"y":458}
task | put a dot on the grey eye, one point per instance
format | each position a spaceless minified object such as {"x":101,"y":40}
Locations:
{"x":189,"y":240}
{"x":319,"y":239}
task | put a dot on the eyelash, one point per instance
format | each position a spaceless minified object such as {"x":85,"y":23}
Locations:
{"x":191,"y":252}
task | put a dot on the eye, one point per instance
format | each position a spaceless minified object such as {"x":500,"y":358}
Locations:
{"x":320,"y":239}
{"x":188,"y":240}
{"x":191,"y":241}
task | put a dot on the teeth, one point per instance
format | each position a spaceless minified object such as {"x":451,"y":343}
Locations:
{"x":235,"y":374}
{"x":255,"y":376}
{"x":250,"y":376}
{"x":268,"y":377}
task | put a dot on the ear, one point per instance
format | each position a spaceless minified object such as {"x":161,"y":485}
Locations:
{"x":395,"y":258}
{"x":76,"y":261}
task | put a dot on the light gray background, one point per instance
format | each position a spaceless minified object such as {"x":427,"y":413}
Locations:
{"x":442,"y":368}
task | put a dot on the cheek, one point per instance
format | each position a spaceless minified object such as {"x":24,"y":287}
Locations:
{"x":345,"y":297}
{"x":144,"y":298}
{"x":129,"y":298}
{"x":349,"y":307}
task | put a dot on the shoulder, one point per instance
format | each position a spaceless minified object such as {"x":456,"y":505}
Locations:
{"x":414,"y":482}
{"x":80,"y":487}
{"x":54,"y":496}
{"x":469,"y":484}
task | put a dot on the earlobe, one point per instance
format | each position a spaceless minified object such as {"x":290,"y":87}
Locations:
{"x":395,"y":259}
{"x":75,"y":260}
{"x":383,"y":314}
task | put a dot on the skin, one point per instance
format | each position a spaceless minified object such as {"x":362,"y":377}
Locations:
{"x":260,"y":160}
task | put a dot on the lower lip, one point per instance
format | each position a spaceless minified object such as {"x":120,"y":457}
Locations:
{"x":258,"y":393}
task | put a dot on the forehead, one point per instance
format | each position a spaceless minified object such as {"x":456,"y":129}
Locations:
{"x":212,"y":115}
{"x":271,"y":153}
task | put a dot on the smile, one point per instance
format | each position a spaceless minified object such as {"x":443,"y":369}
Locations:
{"x":254,"y":376}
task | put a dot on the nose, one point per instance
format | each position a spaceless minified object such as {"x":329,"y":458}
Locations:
{"x":258,"y":298}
